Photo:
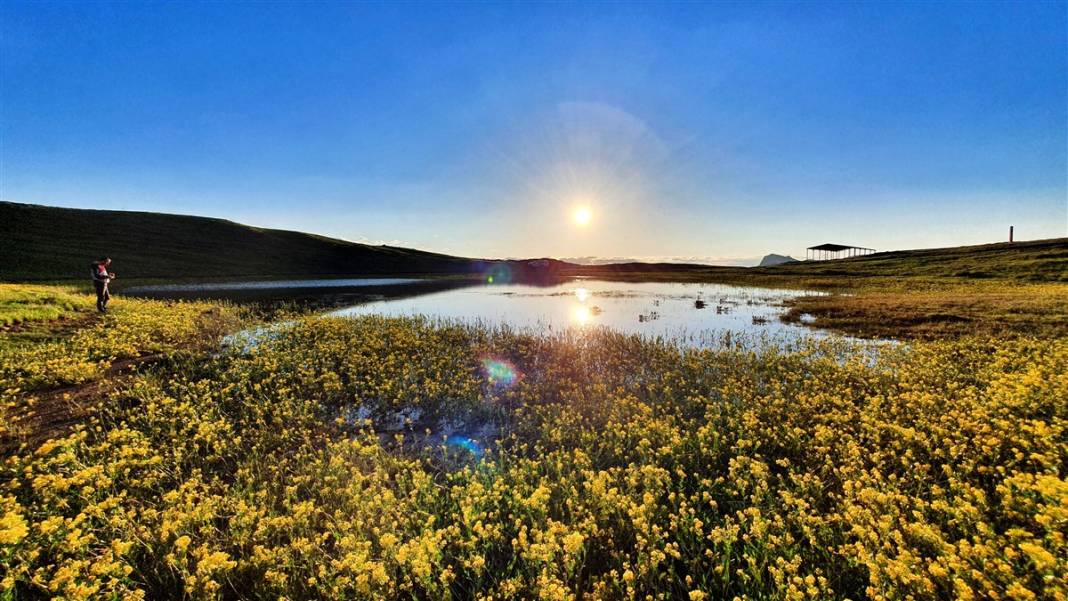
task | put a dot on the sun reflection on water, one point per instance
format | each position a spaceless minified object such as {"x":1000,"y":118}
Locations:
{"x":581,"y":315}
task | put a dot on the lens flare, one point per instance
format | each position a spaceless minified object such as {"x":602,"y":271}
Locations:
{"x":495,"y":272}
{"x":466,"y":443}
{"x":499,"y":373}
{"x":582,"y":294}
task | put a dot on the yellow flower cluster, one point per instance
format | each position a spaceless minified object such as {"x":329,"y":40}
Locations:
{"x":613,"y":468}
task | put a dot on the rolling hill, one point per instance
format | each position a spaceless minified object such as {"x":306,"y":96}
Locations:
{"x":1031,"y":261}
{"x":50,"y":243}
{"x":1034,"y":260}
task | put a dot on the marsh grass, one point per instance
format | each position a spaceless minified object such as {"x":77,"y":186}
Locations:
{"x":21,"y":304}
{"x":940,"y":311}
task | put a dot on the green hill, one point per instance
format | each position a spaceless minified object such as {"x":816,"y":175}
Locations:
{"x":1032,"y":261}
{"x":1035,"y":260}
{"x":49,"y":243}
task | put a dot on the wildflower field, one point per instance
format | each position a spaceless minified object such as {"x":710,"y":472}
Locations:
{"x":605,"y":466}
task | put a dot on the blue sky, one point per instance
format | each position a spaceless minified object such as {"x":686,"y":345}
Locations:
{"x":715,"y":132}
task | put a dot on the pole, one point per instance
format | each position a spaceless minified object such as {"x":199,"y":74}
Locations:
{"x":1010,"y":233}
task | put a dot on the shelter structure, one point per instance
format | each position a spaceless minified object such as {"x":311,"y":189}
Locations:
{"x":822,"y":252}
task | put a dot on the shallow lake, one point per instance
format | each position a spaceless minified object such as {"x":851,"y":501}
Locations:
{"x":685,"y":311}
{"x":272,"y":285}
{"x":694,"y":314}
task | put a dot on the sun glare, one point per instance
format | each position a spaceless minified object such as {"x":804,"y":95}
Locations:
{"x":582,"y":216}
{"x":581,"y":315}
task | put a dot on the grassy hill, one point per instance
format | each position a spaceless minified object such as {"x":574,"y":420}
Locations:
{"x":48,"y":243}
{"x":1033,"y":261}
{"x":1036,"y":260}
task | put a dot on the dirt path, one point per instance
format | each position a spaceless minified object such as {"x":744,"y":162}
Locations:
{"x":55,"y":412}
{"x":64,"y":325}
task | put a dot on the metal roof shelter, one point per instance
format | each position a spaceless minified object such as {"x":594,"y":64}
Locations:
{"x":822,"y":252}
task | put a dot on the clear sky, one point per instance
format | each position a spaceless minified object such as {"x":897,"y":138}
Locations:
{"x":718,"y":132}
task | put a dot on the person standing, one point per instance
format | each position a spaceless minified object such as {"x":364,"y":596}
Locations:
{"x":101,"y":277}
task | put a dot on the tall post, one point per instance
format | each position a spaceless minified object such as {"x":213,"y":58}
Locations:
{"x":1010,"y":233}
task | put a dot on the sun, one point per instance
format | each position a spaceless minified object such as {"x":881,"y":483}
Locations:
{"x":582,"y":216}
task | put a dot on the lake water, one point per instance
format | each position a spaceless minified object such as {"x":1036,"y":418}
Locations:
{"x":272,"y":285}
{"x":694,"y":314}
{"x":686,"y":311}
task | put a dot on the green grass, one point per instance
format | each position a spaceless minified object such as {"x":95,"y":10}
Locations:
{"x":25,"y":304}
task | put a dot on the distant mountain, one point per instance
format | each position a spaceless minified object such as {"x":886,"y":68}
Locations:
{"x":773,"y":259}
{"x":674,"y":260}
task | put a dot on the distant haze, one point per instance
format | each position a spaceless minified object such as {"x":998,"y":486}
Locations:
{"x":698,"y":132}
{"x":727,"y":261}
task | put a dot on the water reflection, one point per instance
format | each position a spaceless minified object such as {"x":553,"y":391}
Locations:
{"x":274,"y":285}
{"x":581,"y":315}
{"x":650,"y":308}
{"x":314,"y":293}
